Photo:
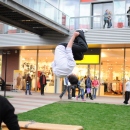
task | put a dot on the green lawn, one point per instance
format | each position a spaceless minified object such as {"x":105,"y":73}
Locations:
{"x":91,"y":116}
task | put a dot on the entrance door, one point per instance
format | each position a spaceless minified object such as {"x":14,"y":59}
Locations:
{"x":98,"y":12}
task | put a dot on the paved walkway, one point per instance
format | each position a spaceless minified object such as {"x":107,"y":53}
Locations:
{"x":24,"y":103}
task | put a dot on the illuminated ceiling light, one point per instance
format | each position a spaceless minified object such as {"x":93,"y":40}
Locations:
{"x":103,"y":54}
{"x":23,"y":58}
{"x":108,"y":49}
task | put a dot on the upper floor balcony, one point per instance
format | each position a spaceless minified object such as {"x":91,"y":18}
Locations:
{"x":120,"y":21}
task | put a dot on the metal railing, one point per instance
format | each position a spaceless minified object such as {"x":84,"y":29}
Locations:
{"x":47,"y":10}
{"x":89,"y":22}
{"x":97,"y":22}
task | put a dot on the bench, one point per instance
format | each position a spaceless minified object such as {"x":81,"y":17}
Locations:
{"x":26,"y":125}
{"x":9,"y":86}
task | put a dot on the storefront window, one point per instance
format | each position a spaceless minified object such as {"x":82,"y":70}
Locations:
{"x":112,"y":65}
{"x":119,"y":12}
{"x":28,"y":66}
{"x":81,"y":70}
{"x":127,"y":64}
{"x":45,"y":59}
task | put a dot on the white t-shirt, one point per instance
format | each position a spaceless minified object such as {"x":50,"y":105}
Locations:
{"x":64,"y":62}
{"x":128,"y":86}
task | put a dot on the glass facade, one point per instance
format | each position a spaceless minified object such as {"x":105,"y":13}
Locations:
{"x":34,"y":62}
{"x":113,"y":71}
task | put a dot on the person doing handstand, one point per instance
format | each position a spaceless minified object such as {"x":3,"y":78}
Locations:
{"x":67,"y":53}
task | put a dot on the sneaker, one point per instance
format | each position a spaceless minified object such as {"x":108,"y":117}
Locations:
{"x":83,"y":100}
{"x":126,"y":103}
{"x":84,"y":30}
{"x":77,"y":98}
{"x":60,"y":97}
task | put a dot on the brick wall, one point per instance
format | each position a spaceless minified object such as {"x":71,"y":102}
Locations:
{"x":12,"y":64}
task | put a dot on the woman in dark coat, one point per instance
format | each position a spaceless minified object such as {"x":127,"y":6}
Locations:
{"x":88,"y":87}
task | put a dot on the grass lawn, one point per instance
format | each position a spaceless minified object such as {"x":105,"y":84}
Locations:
{"x":92,"y":116}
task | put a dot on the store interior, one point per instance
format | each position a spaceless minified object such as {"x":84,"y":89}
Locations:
{"x":111,"y":73}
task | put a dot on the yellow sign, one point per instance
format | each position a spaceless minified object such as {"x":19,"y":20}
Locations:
{"x":89,"y":59}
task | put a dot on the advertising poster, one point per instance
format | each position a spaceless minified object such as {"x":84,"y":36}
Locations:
{"x":17,"y":79}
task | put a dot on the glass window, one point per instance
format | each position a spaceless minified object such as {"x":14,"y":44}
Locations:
{"x":127,"y":8}
{"x":12,"y":29}
{"x":85,"y":11}
{"x":81,"y":70}
{"x":127,"y":64}
{"x":1,"y":28}
{"x":112,"y":65}
{"x":28,"y":66}
{"x":71,"y":8}
{"x":45,"y":59}
{"x":119,"y":11}
{"x":53,"y":2}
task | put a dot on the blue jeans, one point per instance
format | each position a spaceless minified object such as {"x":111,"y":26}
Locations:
{"x":82,"y":93}
{"x":94,"y":90}
{"x":28,"y":89}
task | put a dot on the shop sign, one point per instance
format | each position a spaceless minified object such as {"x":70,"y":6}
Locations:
{"x":89,"y":59}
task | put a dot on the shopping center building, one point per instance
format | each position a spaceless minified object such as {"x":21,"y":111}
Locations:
{"x":108,"y":56}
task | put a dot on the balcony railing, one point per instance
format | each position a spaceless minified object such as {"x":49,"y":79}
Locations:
{"x":97,"y":22}
{"x":47,"y":10}
{"x":89,"y":22}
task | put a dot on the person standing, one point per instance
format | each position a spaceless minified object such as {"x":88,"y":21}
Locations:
{"x":42,"y":82}
{"x":128,"y":16}
{"x":7,"y":114}
{"x":106,"y":20}
{"x":19,"y":81}
{"x":88,"y":83}
{"x":28,"y":84}
{"x":95,"y":85}
{"x":66,"y":88}
{"x":2,"y":84}
{"x":110,"y":19}
{"x":82,"y":87}
{"x":127,"y":92}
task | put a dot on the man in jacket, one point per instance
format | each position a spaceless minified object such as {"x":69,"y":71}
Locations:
{"x":127,"y":92}
{"x":128,"y":16}
{"x":106,"y":20}
{"x":7,"y":114}
{"x":88,"y":87}
{"x":28,"y":84}
{"x":66,"y":88}
{"x":42,"y":82}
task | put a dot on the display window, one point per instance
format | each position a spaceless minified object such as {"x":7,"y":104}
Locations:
{"x":34,"y":62}
{"x":28,"y":59}
{"x":45,"y":59}
{"x":112,"y":71}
